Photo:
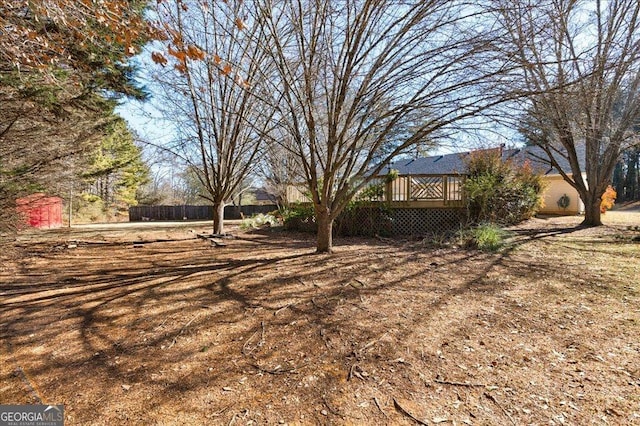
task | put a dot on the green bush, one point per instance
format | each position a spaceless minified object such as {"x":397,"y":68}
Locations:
{"x":359,"y":218}
{"x":301,"y":210}
{"x":299,"y":217}
{"x":500,"y":191}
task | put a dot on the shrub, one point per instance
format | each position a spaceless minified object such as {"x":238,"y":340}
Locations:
{"x":259,"y":220}
{"x":608,"y":199}
{"x":359,"y":218}
{"x":441,"y":239}
{"x":499,"y":191}
{"x":299,"y":217}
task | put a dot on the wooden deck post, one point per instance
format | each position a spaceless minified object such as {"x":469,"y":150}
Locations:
{"x":388,"y":191}
{"x":445,"y":191}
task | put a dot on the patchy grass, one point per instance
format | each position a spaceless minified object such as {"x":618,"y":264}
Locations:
{"x":547,"y":331}
{"x":622,"y":217}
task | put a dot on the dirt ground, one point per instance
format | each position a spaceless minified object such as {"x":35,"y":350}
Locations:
{"x":264,"y":331}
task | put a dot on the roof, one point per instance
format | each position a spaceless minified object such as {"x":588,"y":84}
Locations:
{"x":38,"y":199}
{"x":456,"y":163}
{"x":540,"y":160}
{"x":264,"y":195}
{"x":435,"y":165}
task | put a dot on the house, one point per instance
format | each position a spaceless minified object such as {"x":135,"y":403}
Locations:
{"x":427,"y":193}
{"x":264,"y":197}
{"x":559,"y":197}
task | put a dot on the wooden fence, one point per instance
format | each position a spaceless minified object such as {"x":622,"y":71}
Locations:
{"x":187,"y":212}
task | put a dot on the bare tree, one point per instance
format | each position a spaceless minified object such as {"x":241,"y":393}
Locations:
{"x":209,"y":99}
{"x":580,"y":65}
{"x":280,"y":169}
{"x":358,"y":82}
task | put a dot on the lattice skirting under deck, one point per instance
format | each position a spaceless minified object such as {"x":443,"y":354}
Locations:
{"x":426,"y":221}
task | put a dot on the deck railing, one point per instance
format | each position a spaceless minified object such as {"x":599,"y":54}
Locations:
{"x":412,"y":191}
{"x":426,"y":190}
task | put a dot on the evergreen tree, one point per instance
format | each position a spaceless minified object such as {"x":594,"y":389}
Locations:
{"x":59,"y":68}
{"x":116,"y":170}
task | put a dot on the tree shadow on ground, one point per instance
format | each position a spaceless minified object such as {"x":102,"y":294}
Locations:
{"x":183,"y":320}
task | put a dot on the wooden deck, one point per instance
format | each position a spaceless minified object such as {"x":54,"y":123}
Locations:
{"x":407,"y":191}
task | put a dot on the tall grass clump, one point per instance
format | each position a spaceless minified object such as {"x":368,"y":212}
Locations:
{"x":485,"y":237}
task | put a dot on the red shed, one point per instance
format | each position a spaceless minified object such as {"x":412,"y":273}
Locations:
{"x":41,"y":211}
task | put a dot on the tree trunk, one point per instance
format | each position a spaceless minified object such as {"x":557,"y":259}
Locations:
{"x":325,"y":231}
{"x":618,"y":180}
{"x":592,"y":215}
{"x":631,"y":180}
{"x":218,"y":218}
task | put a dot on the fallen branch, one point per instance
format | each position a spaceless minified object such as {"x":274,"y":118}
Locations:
{"x":495,"y":401}
{"x":276,"y":370}
{"x":125,"y":243}
{"x":246,"y":343}
{"x":161,"y":324}
{"x":215,"y":243}
{"x":20,"y":373}
{"x":233,"y":419}
{"x":282,"y":309}
{"x":219,"y":236}
{"x":175,"y":339}
{"x":260,"y":343}
{"x":332,"y":410}
{"x":351,"y":370}
{"x":408,"y":414}
{"x":379,"y":407}
{"x":373,"y":342}
{"x":220,"y":412}
{"x":245,"y":413}
{"x":471,"y":385}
